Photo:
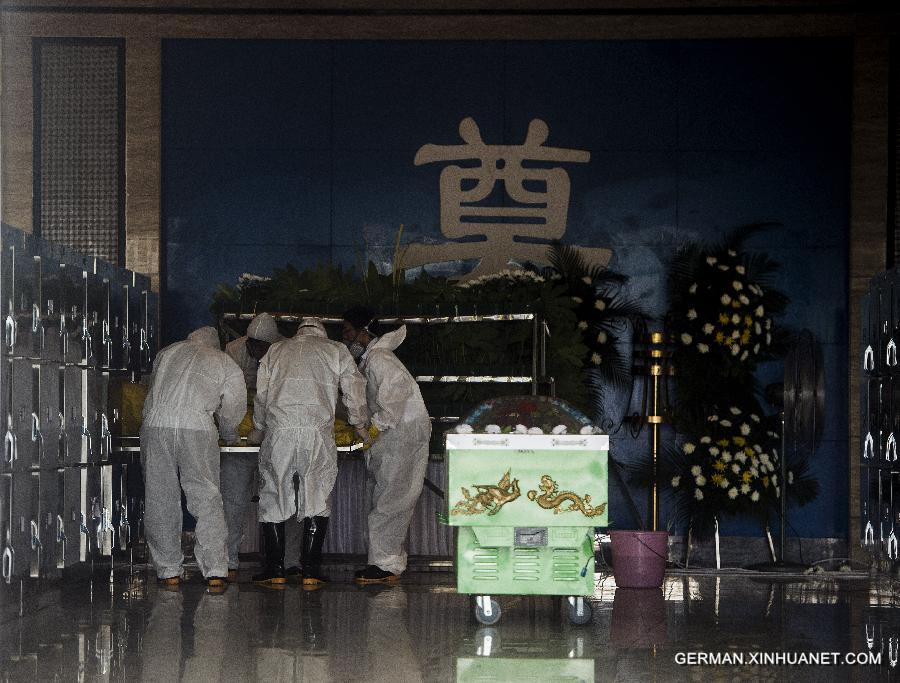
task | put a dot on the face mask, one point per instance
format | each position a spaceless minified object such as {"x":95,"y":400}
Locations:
{"x":356,"y":349}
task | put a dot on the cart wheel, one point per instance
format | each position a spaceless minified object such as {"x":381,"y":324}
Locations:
{"x":487,"y":619}
{"x":580,"y":611}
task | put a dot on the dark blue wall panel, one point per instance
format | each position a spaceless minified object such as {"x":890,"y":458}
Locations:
{"x":302,"y":152}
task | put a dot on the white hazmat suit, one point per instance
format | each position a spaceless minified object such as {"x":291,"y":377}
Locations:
{"x":262,"y":327}
{"x":238,"y":469}
{"x":398,"y":459}
{"x":296,"y":394}
{"x":192,"y":381}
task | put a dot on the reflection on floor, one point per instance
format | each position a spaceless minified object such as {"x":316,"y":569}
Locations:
{"x":422,"y":630}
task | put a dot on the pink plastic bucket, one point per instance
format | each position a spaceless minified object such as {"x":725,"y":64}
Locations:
{"x":639,"y":558}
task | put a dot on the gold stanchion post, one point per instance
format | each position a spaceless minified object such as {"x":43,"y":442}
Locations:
{"x":654,"y":362}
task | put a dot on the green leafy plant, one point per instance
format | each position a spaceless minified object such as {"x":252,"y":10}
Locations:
{"x":582,"y":308}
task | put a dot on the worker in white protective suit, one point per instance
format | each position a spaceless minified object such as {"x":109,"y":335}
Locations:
{"x":192,"y":381}
{"x":238,"y":469}
{"x":296,"y":395}
{"x":398,"y":458}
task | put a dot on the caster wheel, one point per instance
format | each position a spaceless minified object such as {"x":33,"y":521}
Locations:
{"x":580,"y":611}
{"x":481,"y":616}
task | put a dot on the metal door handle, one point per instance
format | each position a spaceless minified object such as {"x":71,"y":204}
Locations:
{"x":891,"y":353}
{"x":63,"y":335}
{"x":60,"y":530}
{"x":86,"y":338}
{"x":9,"y":447}
{"x":8,"y":561}
{"x":85,"y":432}
{"x":892,"y":546}
{"x":869,"y":359}
{"x":35,"y":536}
{"x":869,"y":447}
{"x":870,"y":639}
{"x":107,"y":343}
{"x":893,"y":650}
{"x":11,"y":329}
{"x":62,"y":443}
{"x":124,"y":527}
{"x":890,"y":447}
{"x":36,"y":428}
{"x":106,"y":434}
{"x":869,"y":534}
{"x":35,"y":317}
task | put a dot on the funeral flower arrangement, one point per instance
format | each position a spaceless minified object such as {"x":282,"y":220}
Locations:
{"x":732,"y":467}
{"x":723,"y":308}
{"x":729,"y":314}
{"x":526,"y":415}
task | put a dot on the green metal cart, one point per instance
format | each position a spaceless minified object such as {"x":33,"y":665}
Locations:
{"x":526,"y":507}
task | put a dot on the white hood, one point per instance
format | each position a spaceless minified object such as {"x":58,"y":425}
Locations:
{"x":311,"y":326}
{"x":390,"y":340}
{"x":205,"y":336}
{"x":264,"y":328}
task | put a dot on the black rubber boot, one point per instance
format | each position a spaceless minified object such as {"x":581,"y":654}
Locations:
{"x":273,"y":572}
{"x":373,"y":574}
{"x":314,"y":529}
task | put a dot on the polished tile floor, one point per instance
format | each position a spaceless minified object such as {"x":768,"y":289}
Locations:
{"x":422,"y":630}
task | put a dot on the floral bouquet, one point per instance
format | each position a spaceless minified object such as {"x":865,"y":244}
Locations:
{"x":728,"y":316}
{"x":722,"y":307}
{"x":731,"y":468}
{"x":722,"y":310}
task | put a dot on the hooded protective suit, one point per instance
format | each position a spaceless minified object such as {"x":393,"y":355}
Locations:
{"x":262,"y":327}
{"x":192,"y":381}
{"x":238,"y":469}
{"x":296,"y":393}
{"x":398,"y":459}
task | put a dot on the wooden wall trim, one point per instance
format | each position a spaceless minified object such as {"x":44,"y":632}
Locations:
{"x":437,"y":27}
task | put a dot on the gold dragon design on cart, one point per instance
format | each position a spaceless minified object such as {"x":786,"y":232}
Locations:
{"x":551,"y":498}
{"x":490,"y":498}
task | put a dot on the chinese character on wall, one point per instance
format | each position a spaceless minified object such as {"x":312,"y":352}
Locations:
{"x":536,"y":204}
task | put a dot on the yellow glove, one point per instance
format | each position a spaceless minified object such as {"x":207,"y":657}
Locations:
{"x":246,"y":425}
{"x":343,"y":433}
{"x":367,"y":436}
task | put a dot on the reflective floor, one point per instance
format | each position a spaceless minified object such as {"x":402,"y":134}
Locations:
{"x":422,"y":630}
